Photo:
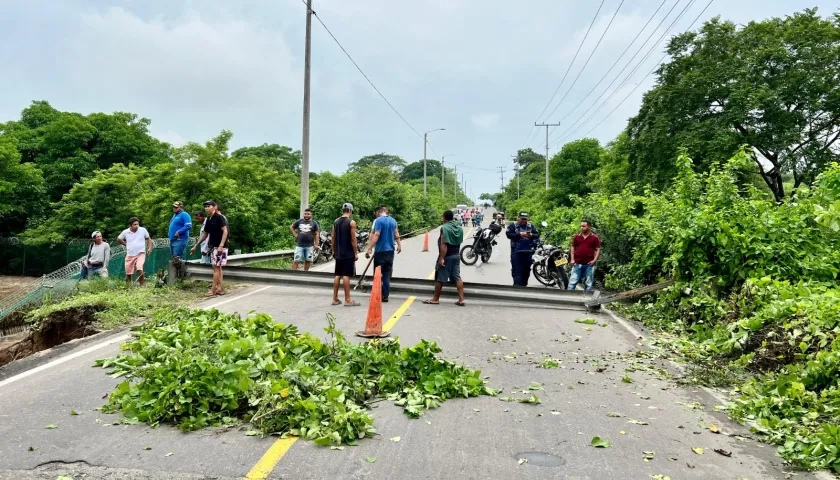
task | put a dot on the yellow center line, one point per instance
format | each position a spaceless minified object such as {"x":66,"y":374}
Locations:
{"x":275,"y":453}
{"x":269,"y":460}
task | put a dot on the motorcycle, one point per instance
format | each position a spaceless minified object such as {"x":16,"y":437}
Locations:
{"x":482,"y":246}
{"x":550,"y":263}
{"x":362,"y":240}
{"x":324,"y":252}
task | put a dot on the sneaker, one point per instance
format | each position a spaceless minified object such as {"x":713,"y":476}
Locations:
{"x":385,"y":299}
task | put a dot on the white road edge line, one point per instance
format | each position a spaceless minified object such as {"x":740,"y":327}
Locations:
{"x":819,"y":475}
{"x":104,"y":343}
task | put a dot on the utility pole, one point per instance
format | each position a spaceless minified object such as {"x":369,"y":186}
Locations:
{"x":516,"y":164}
{"x":425,"y":144}
{"x":502,"y":174}
{"x":443,"y":174}
{"x":546,"y":125}
{"x":304,"y":150}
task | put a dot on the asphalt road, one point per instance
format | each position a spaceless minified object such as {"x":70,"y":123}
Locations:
{"x":477,"y":438}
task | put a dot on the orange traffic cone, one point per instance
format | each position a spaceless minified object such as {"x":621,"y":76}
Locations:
{"x":373,"y":325}
{"x":426,"y":242}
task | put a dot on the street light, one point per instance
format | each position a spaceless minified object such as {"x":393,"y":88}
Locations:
{"x":425,"y":143}
{"x":443,"y":173}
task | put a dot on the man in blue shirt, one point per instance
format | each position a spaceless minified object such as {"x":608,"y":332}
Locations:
{"x":523,"y":236}
{"x":179,"y":230}
{"x":385,"y":235}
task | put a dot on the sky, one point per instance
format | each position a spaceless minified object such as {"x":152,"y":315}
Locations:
{"x":482,"y":69}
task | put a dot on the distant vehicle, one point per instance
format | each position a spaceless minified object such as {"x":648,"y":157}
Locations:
{"x":461,"y":207}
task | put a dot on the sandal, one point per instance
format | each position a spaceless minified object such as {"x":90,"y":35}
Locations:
{"x":429,"y":302}
{"x":461,"y":304}
{"x":337,"y":302}
{"x":352,"y":303}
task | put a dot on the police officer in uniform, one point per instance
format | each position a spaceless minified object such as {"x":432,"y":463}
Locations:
{"x":523,"y":236}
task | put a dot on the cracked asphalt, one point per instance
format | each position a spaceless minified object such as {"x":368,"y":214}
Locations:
{"x":651,"y":423}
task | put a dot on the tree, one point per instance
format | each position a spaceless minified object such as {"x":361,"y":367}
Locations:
{"x":488,"y":196}
{"x":278,"y":157}
{"x":611,"y":175}
{"x":391,"y":162}
{"x":772,"y":85}
{"x":21,"y":188}
{"x":570,"y":168}
{"x":527,"y":156}
{"x":414,"y":171}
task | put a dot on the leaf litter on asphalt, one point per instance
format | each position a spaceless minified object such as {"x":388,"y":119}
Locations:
{"x":598,"y":442}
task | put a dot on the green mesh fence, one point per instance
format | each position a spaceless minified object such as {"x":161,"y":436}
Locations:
{"x":57,"y":284}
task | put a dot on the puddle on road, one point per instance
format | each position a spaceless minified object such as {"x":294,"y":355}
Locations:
{"x":541,"y":459}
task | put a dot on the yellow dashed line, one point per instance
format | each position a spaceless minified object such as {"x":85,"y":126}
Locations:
{"x":268,"y":461}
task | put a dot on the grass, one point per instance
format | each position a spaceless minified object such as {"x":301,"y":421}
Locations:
{"x":119,"y":304}
{"x":279,"y":264}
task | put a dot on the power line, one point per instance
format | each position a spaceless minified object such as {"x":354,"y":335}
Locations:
{"x":565,"y":134}
{"x":648,"y":74}
{"x":622,"y":55}
{"x":630,"y":75}
{"x":591,"y":24}
{"x":318,"y":17}
{"x":591,"y":54}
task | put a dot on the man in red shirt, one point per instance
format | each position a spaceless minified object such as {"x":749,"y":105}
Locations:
{"x":586,"y":248}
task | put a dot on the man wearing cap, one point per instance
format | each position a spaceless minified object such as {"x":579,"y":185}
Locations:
{"x":98,"y":256}
{"x":179,"y":230}
{"x":345,"y":252}
{"x":523,"y":236}
{"x":216,"y":232}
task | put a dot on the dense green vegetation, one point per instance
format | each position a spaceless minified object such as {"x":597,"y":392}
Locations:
{"x":196,"y":368}
{"x":63,"y":175}
{"x":728,"y":182}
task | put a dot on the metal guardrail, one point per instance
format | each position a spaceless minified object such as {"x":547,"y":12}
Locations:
{"x":246,"y":258}
{"x":411,"y":286}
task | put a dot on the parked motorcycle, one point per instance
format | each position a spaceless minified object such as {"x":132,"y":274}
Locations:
{"x":482,"y":245}
{"x":362,"y":240}
{"x":324,"y":252}
{"x":550,"y":263}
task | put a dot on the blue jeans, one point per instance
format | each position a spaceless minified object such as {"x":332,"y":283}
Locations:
{"x":178,"y":248}
{"x":386,"y":261}
{"x":584,"y":271}
{"x":88,"y":272}
{"x":304,"y":254}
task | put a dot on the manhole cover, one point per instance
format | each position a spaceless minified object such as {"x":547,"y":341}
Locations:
{"x":541,"y":459}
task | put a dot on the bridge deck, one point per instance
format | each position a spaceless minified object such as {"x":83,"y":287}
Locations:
{"x":475,"y":438}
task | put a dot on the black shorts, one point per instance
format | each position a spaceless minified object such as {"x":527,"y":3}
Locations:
{"x":345,"y":267}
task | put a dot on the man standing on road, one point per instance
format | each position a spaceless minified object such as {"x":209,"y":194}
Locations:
{"x":96,"y":261}
{"x":345,"y":253}
{"x":523,"y":236}
{"x":216,"y":233}
{"x":586,"y":248}
{"x":385,"y":235}
{"x":137,"y":243}
{"x":306,"y":232}
{"x":179,"y":230}
{"x":448,"y":266}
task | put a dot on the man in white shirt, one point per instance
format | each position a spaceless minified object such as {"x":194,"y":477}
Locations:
{"x":137,"y":243}
{"x":205,"y":253}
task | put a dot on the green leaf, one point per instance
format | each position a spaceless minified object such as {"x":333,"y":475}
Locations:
{"x":395,"y":439}
{"x":626,"y":380}
{"x":599,"y":443}
{"x":370,"y":459}
{"x":51,"y":426}
{"x":697,"y":450}
{"x":73,"y":412}
{"x":586,"y":321}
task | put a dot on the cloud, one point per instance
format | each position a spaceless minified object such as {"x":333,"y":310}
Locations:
{"x":485,"y":120}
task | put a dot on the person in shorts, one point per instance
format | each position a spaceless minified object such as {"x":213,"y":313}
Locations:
{"x":96,"y":261}
{"x":216,"y":233}
{"x":448,"y":266}
{"x":137,"y":243}
{"x":344,"y":246}
{"x":205,"y":254}
{"x":179,"y":230}
{"x":306,"y":232}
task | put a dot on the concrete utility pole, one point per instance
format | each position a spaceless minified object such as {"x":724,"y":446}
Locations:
{"x":502,"y":174}
{"x":443,"y":174}
{"x":425,"y":144}
{"x":546,"y":125}
{"x":304,"y":150}
{"x":516,"y":164}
